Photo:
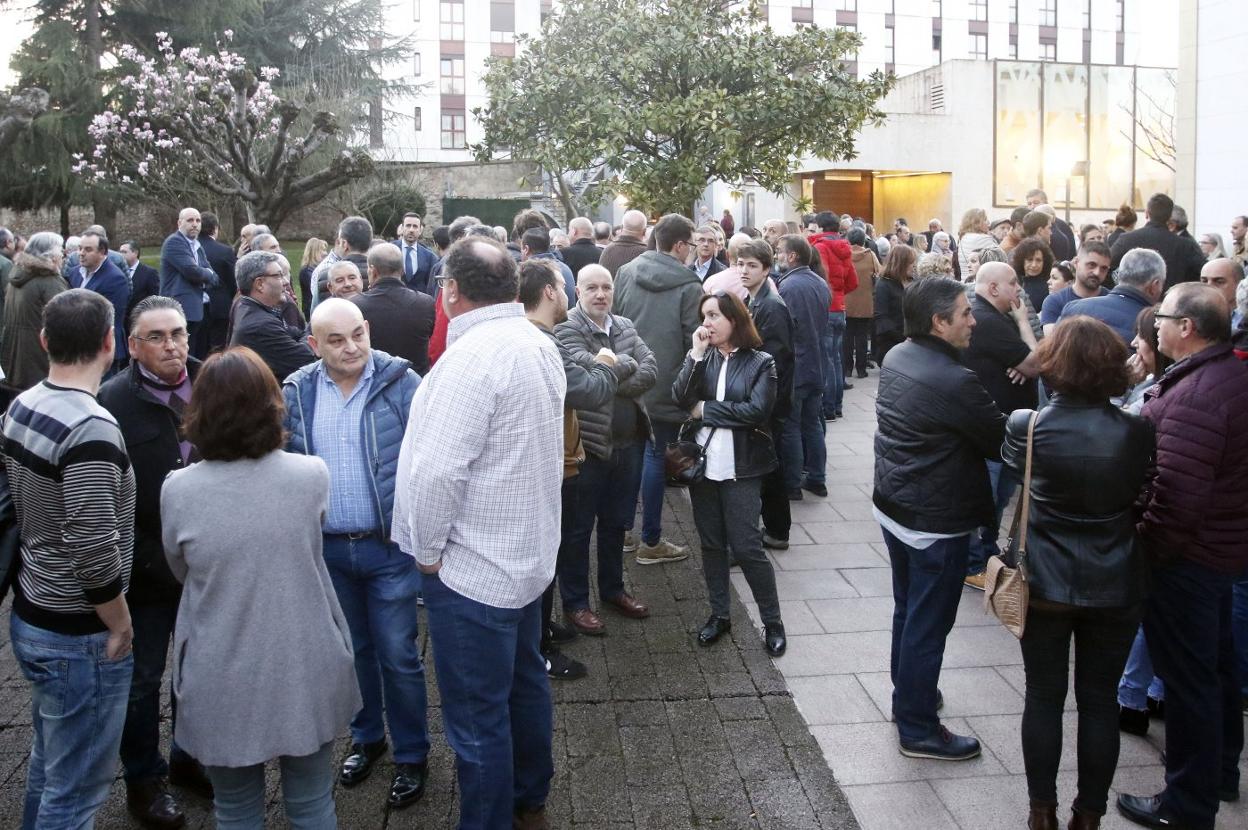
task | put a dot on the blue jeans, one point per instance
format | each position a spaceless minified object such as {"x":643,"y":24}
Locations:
{"x":984,"y":543}
{"x":1138,"y":683}
{"x":926,"y":587}
{"x":834,"y":370}
{"x":1188,"y":626}
{"x":654,"y":481}
{"x":78,"y":706}
{"x":607,"y":495}
{"x":307,"y":792}
{"x":140,"y":738}
{"x":377,"y":585}
{"x":801,"y":446}
{"x":496,"y":704}
{"x":1239,"y":623}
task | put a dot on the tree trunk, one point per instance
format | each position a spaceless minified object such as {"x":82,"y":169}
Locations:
{"x":65,"y":220}
{"x":93,"y":36}
{"x":105,"y":208}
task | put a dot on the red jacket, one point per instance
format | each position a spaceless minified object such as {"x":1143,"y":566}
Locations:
{"x":838,"y":262}
{"x":437,"y":341}
{"x":1194,"y":505}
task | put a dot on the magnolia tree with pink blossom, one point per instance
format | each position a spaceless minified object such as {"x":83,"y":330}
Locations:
{"x":203,"y":120}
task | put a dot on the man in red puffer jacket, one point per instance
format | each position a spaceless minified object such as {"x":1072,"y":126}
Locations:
{"x":838,"y":267}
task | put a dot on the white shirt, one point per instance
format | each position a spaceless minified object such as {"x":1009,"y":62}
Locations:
{"x":721,"y":460}
{"x":917,"y":539}
{"x":481,"y":466}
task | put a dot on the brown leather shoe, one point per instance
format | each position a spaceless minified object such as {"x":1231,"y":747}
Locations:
{"x":152,"y":805}
{"x":1043,"y":816}
{"x":586,"y":621}
{"x":1083,"y":821}
{"x":530,"y":819}
{"x":628,"y":606}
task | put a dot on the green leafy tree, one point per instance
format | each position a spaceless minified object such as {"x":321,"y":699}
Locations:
{"x":668,"y":96}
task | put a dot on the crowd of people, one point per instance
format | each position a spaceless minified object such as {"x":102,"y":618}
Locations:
{"x":448,"y":425}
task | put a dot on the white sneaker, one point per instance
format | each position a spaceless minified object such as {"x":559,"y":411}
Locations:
{"x":664,"y":551}
{"x":630,"y":541}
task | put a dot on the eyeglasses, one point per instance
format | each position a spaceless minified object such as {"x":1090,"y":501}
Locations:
{"x":159,"y":338}
{"x":441,"y":281}
{"x":1157,"y":315}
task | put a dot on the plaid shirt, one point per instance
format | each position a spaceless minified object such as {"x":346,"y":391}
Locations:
{"x":481,"y":466}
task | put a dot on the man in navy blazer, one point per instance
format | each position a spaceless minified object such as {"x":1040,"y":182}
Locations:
{"x":417,"y":259}
{"x":144,"y":279}
{"x":221,"y":258}
{"x":96,"y":272}
{"x":186,"y":276}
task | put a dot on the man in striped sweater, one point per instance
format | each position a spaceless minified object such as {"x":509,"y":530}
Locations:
{"x":73,"y":490}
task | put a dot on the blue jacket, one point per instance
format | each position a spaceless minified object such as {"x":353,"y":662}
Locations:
{"x":183,"y":278}
{"x":111,"y":282}
{"x":381,"y":429}
{"x":425,"y":260}
{"x":1117,"y":309}
{"x":807,"y":295}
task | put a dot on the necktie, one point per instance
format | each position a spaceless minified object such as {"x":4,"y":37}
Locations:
{"x":130,"y":277}
{"x":409,"y":268}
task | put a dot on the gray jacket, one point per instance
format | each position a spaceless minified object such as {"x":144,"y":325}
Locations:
{"x":262,"y":661}
{"x":635,"y":368}
{"x":661,"y":297}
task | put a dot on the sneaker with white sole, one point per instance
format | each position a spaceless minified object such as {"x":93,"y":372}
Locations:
{"x":630,"y":541}
{"x":664,"y":551}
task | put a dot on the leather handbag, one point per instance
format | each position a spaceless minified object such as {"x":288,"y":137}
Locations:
{"x":685,"y":459}
{"x":1006,"y":592}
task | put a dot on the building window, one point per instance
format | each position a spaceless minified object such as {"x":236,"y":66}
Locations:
{"x":502,"y":22}
{"x":1048,"y":51}
{"x":979,"y":46}
{"x":847,"y":5}
{"x":936,"y":10}
{"x":452,"y":75}
{"x":890,"y":47}
{"x":417,"y":119}
{"x":1048,"y":12}
{"x":453,"y":135}
{"x":1014,"y":12}
{"x":451,"y":21}
{"x":1087,"y":16}
{"x":979,"y":10}
{"x":1013,"y":52}
{"x":416,"y":10}
{"x":936,"y":39}
{"x":1120,"y":12}
{"x":416,"y":64}
{"x":803,"y":4}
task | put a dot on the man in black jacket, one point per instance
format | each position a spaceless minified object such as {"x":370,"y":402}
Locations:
{"x":147,"y":400}
{"x":581,"y":251}
{"x":937,"y":425}
{"x":144,"y":279}
{"x":220,"y":297}
{"x":259,"y":324}
{"x":1182,"y":255}
{"x":400,"y":319}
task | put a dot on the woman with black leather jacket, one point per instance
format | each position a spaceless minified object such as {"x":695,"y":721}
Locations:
{"x":1086,"y":571}
{"x":729,"y":388}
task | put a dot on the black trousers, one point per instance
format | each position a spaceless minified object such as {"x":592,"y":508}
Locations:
{"x":857,"y":331}
{"x":1103,"y":638}
{"x":777,"y":520}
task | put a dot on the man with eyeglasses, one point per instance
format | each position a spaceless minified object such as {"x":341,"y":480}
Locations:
{"x":148,"y":400}
{"x":258,"y":321}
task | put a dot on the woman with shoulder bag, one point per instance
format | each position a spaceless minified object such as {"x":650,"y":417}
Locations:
{"x":729,"y":388}
{"x":1086,"y":571}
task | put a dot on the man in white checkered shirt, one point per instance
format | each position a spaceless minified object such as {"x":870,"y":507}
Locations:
{"x":477,"y":504}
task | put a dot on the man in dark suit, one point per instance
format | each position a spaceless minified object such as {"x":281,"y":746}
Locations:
{"x":706,"y":245}
{"x":1183,"y":256}
{"x":186,"y":276}
{"x":400,"y":320}
{"x":1063,"y":242}
{"x":259,"y":325}
{"x":221,"y":259}
{"x":417,"y":260}
{"x":144,"y":279}
{"x":96,"y":272}
{"x":581,"y":251}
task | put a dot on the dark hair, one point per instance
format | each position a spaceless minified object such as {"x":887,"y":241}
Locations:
{"x":536,"y":240}
{"x":1094,"y":247}
{"x":856,"y":236}
{"x":1034,"y":221}
{"x":131,"y":244}
{"x":756,"y":249}
{"x":1085,"y":358}
{"x":744,"y":334}
{"x":827,"y":221}
{"x":6,"y":236}
{"x":1160,"y":207}
{"x":795,"y":243}
{"x":1086,"y":229}
{"x":535,"y":276}
{"x":410,"y":215}
{"x":1204,"y":306}
{"x":442,"y":237}
{"x":898,"y":263}
{"x":1068,"y":273}
{"x":670,"y":230}
{"x":527,"y":220}
{"x":932,"y":297}
{"x":357,"y":231}
{"x":1146,"y":327}
{"x":75,"y":323}
{"x":153,"y":303}
{"x":1018,"y":214}
{"x":1126,"y":217}
{"x":751,"y":231}
{"x":100,"y":238}
{"x":1023,"y":252}
{"x":459,"y":226}
{"x":208,"y":224}
{"x":483,"y":270}
{"x":236,"y":408}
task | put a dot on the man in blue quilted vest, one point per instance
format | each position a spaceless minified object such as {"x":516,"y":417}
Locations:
{"x":350,"y":408}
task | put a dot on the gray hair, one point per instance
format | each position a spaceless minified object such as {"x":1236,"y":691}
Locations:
{"x":460,"y":226}
{"x":262,"y":238}
{"x":993,"y":253}
{"x":156,"y":302}
{"x":71,"y":244}
{"x":250,"y":267}
{"x":45,"y":243}
{"x":6,"y":236}
{"x":1139,"y":267}
{"x":1179,"y":217}
{"x":934,"y":264}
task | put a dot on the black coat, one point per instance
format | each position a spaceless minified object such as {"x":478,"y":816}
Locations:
{"x":1089,"y":464}
{"x":749,"y":397}
{"x":937,"y":425}
{"x":1062,"y":241}
{"x":580,"y":253}
{"x":221,"y":257}
{"x":775,"y":326}
{"x":711,"y":270}
{"x":890,"y":322}
{"x":150,"y":430}
{"x":260,"y":329}
{"x":400,"y":321}
{"x":145,"y":283}
{"x":1183,"y":256}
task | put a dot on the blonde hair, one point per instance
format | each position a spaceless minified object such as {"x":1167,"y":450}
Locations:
{"x":934,"y":264}
{"x":971,"y":219}
{"x":313,"y":252}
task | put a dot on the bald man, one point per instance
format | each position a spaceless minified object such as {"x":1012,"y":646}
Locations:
{"x":186,"y":276}
{"x":1225,"y":275}
{"x":350,"y":408}
{"x":1002,"y":354}
{"x":400,"y":319}
{"x":629,"y":243}
{"x":581,"y":250}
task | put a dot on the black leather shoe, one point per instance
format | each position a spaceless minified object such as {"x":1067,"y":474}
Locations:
{"x":773,"y":639}
{"x":188,"y":774}
{"x":152,"y":805}
{"x":1133,"y":721}
{"x":943,"y":746}
{"x":1156,"y":708}
{"x":715,"y":628}
{"x":1147,"y":810}
{"x":359,"y":762}
{"x":408,"y":784}
{"x":817,"y":488}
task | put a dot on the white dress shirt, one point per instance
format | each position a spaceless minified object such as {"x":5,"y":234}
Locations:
{"x":721,"y":459}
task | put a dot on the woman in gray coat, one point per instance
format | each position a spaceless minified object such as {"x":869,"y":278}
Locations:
{"x":262,"y":656}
